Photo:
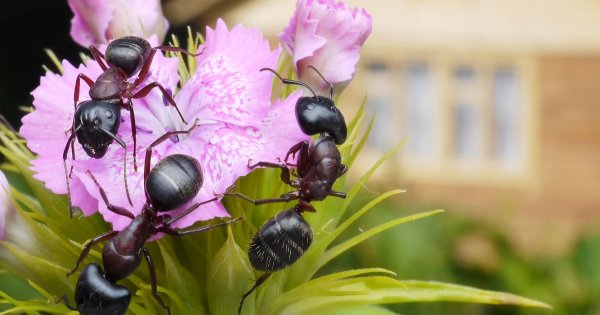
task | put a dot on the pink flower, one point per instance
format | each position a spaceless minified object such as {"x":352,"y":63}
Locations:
{"x":99,"y":21}
{"x":5,"y":203}
{"x":227,"y":94}
{"x":327,"y":35}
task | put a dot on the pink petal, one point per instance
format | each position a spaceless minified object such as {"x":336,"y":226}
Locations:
{"x":5,"y":203}
{"x":90,"y":21}
{"x":228,"y":86}
{"x":137,"y":17}
{"x":97,"y":22}
{"x":300,"y":37}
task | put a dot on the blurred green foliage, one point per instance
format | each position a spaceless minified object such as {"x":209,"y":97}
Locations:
{"x":436,"y":250}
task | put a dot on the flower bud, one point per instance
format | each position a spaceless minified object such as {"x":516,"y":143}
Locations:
{"x":98,"y":21}
{"x":328,"y":36}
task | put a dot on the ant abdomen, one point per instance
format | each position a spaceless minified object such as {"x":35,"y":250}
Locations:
{"x":95,"y":295}
{"x":128,"y":53}
{"x":175,"y":180}
{"x":319,"y":114}
{"x":280,"y":242}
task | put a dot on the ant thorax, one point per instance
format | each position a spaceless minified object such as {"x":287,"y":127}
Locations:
{"x":111,"y":84}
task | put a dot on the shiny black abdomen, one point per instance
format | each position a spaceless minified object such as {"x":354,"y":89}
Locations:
{"x":128,"y":53}
{"x":175,"y":180}
{"x":280,"y":242}
{"x":95,"y":295}
{"x":90,"y":118}
{"x":319,"y":114}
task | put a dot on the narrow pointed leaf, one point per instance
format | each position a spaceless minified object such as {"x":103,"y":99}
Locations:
{"x":337,"y":250}
{"x":230,"y":276}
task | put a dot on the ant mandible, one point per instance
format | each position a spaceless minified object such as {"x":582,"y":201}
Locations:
{"x":96,"y":122}
{"x":172,"y":182}
{"x":283,"y":239}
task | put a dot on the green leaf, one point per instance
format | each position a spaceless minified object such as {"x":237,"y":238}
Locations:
{"x":338,"y":249}
{"x":361,"y":182}
{"x":230,"y":276}
{"x":177,"y":279}
{"x":361,"y":143}
{"x":359,"y":310}
{"x":355,"y":123}
{"x":326,"y":296}
{"x":345,"y":274}
{"x":342,"y":227}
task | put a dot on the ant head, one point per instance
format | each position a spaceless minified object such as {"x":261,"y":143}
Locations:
{"x":96,"y":295}
{"x":316,"y":189}
{"x":96,"y":125}
{"x":175,"y":180}
{"x":128,"y":53}
{"x":319,"y":114}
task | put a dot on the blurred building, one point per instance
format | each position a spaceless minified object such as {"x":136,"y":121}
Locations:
{"x":500,"y":100}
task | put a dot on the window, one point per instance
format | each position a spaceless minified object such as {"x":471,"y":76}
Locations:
{"x":467,"y":118}
{"x":422,"y":110}
{"x":506,"y":112}
{"x":378,"y":86}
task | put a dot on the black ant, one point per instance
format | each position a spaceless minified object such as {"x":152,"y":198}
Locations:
{"x":96,"y":122}
{"x":283,"y":239}
{"x":172,"y":182}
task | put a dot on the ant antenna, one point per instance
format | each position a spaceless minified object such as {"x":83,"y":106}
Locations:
{"x":288,"y":81}
{"x":322,"y":77}
{"x":125,"y":177}
{"x":65,"y":300}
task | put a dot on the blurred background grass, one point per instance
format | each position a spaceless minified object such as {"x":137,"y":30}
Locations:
{"x":500,"y":101}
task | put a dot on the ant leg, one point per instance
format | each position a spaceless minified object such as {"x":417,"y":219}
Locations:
{"x":122,"y":144}
{"x":88,"y":246}
{"x":72,"y":152}
{"x":115,"y":209}
{"x":180,"y":232}
{"x":258,"y":282}
{"x":177,"y":49}
{"x":145,"y":69}
{"x":285,"y":171}
{"x":65,"y":153}
{"x":343,"y":170}
{"x":65,"y":300}
{"x":125,"y":177}
{"x":87,"y":80}
{"x":158,"y":141}
{"x":98,"y":56}
{"x":152,"y":272}
{"x":337,"y":194}
{"x":284,"y":198}
{"x":301,"y":147}
{"x":146,"y":89}
{"x":129,"y":107}
{"x":302,"y":163}
{"x":187,"y":211}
